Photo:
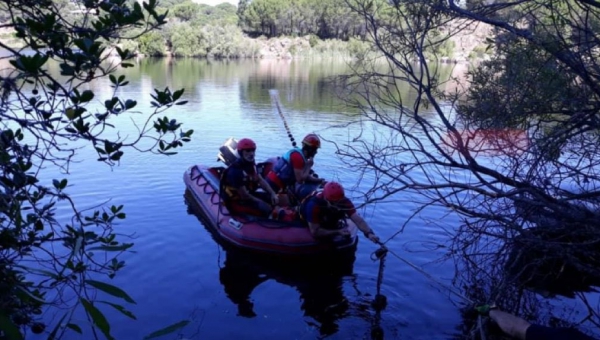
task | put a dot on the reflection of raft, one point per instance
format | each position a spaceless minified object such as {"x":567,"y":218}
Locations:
{"x":319,"y":281}
{"x":251,"y":231}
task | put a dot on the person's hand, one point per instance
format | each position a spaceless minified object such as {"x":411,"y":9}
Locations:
{"x":316,"y":179}
{"x":310,"y":162}
{"x":371,"y":236}
{"x":344,"y":232}
{"x":274,"y":199}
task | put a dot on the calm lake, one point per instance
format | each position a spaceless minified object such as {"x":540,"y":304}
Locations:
{"x":179,"y":272}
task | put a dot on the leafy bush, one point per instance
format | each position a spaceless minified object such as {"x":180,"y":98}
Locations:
{"x":152,"y":44}
{"x":185,"y":41}
{"x":357,"y":48}
{"x":45,"y":120}
{"x":313,"y":40}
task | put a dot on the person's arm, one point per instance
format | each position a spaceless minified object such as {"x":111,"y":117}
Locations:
{"x":318,"y":232}
{"x":267,"y":188}
{"x":302,"y":169}
{"x":510,"y":324}
{"x":364,"y":227}
{"x":245,"y":195}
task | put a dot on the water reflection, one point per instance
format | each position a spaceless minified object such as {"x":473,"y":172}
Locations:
{"x":319,"y":282}
{"x":319,"y":279}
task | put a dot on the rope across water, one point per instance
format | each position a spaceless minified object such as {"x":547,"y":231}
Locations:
{"x":380,"y":300}
{"x":275,"y":100}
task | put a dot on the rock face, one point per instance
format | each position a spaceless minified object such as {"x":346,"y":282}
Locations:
{"x":466,"y":37}
{"x":282,"y":48}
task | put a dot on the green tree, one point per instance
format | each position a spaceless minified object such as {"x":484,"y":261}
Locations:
{"x":266,"y":16}
{"x":186,"y":11}
{"x":185,"y":41}
{"x":241,"y":13}
{"x":152,"y":44}
{"x":44,"y":121}
{"x":223,"y":14}
{"x":512,"y":146}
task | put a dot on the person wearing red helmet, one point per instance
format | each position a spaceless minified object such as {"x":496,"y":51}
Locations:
{"x":241,"y":181}
{"x":324,"y":209}
{"x":293,"y":169}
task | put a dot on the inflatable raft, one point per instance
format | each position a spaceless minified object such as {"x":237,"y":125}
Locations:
{"x":254,"y":232}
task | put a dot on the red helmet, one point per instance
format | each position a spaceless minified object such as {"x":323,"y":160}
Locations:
{"x":333,"y":191}
{"x":312,"y":140}
{"x":245,"y":144}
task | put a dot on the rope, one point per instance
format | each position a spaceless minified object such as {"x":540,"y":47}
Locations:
{"x":380,"y":301}
{"x":275,"y":99}
{"x":417,"y":268}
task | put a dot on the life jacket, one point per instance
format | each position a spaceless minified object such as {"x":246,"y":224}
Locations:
{"x":283,"y":167}
{"x":330,"y":217}
{"x":250,"y":181}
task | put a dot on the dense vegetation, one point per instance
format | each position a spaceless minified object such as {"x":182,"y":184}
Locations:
{"x":224,"y":31}
{"x":324,"y":28}
{"x":47,"y":261}
{"x":513,"y":147}
{"x":327,"y":19}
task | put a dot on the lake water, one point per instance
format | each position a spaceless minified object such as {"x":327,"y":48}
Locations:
{"x":178,"y":271}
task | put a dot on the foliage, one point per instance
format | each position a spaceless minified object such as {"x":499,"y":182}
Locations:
{"x":202,"y":14}
{"x":185,"y":41}
{"x":152,"y":44}
{"x":324,"y":18}
{"x":44,"y":121}
{"x":211,"y":41}
{"x":313,"y":40}
{"x":331,"y":47}
{"x":512,"y":147}
{"x":358,"y":48}
{"x":167,"y":4}
{"x":186,"y":11}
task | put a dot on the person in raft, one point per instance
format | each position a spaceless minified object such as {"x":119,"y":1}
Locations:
{"x":241,"y":181}
{"x":293,"y":169}
{"x":324,"y":209}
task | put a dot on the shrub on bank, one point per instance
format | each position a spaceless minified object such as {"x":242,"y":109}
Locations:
{"x":152,"y":44}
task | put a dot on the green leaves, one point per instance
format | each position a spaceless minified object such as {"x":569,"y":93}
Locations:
{"x":167,"y":330}
{"x":84,"y":97}
{"x":120,"y":309}
{"x":74,"y":327}
{"x":11,"y":330}
{"x":57,"y":109}
{"x":59,"y":184}
{"x":30,"y":64}
{"x":110,"y":289}
{"x":121,"y":247}
{"x":111,"y":150}
{"x":166,"y":98}
{"x":118,"y":82}
{"x":98,"y":319}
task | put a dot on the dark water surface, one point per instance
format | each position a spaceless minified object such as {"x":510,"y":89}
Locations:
{"x":178,"y":271}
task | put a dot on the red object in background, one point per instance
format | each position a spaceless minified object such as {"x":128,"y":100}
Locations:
{"x":487,"y":142}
